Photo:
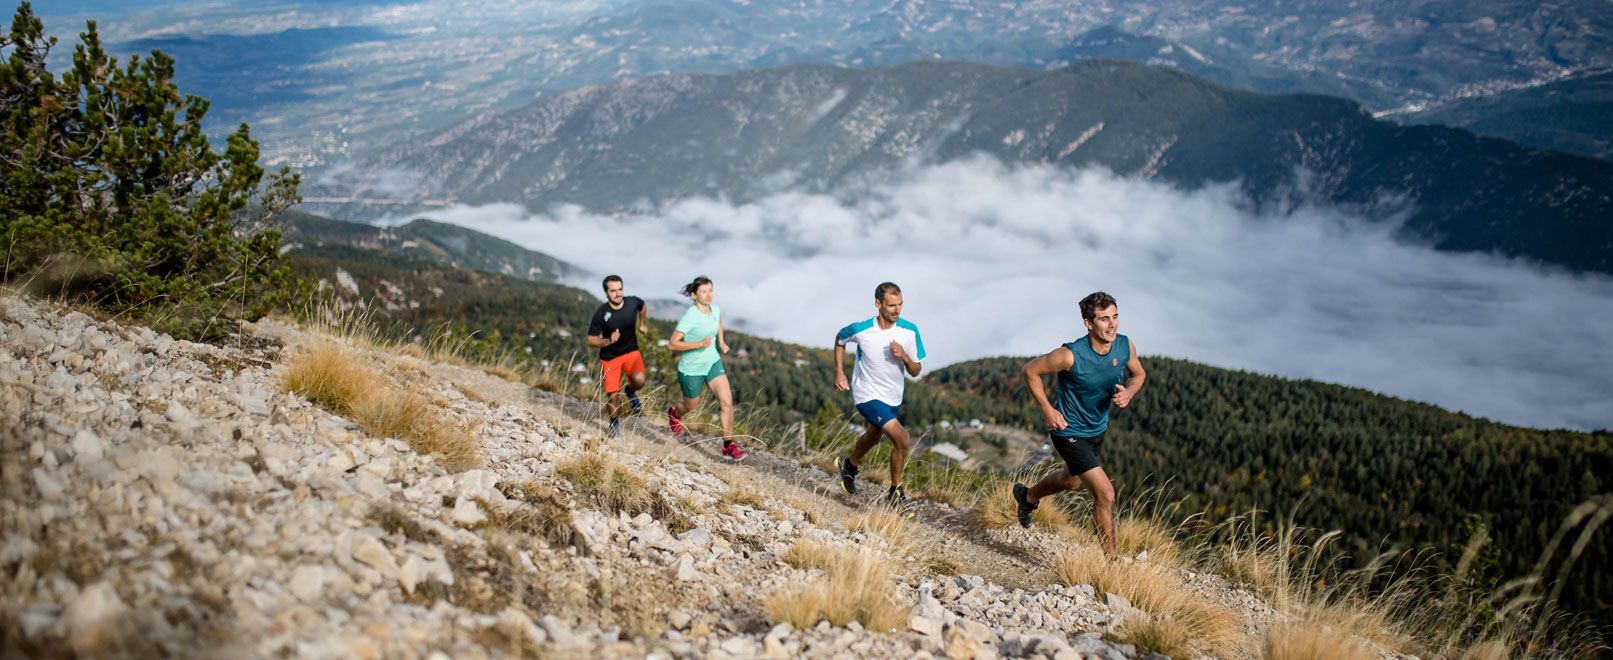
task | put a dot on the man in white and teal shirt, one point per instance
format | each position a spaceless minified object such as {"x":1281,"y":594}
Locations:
{"x":889,"y":350}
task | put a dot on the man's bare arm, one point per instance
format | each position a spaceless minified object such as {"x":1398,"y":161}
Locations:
{"x":1059,"y":359}
{"x":840,"y":369}
{"x":1134,"y":380}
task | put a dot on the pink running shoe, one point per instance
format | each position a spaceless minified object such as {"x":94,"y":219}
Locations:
{"x":675,"y":421}
{"x":732,"y":452}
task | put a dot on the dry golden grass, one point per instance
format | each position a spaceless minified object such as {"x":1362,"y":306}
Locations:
{"x":1134,"y":534}
{"x":1156,"y":634}
{"x":809,"y":554}
{"x":857,"y":587}
{"x":886,"y":524}
{"x":542,"y":513}
{"x":1493,"y":649}
{"x":743,"y":495}
{"x":998,"y":510}
{"x":1301,"y":640}
{"x":341,"y":379}
{"x":1250,"y":566}
{"x":878,"y":475}
{"x":329,"y":374}
{"x":1158,"y":591}
{"x":939,"y":495}
{"x":610,"y":485}
{"x":824,"y":462}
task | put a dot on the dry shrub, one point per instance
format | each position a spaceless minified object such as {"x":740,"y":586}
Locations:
{"x":809,"y":554}
{"x":1302,"y":640}
{"x":998,"y":510}
{"x":857,"y":587}
{"x":610,"y":485}
{"x":1156,"y":590}
{"x":886,"y":524}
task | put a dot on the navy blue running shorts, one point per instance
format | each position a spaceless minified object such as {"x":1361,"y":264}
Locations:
{"x":878,"y":412}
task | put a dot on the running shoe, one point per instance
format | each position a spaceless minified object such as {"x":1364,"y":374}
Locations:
{"x":896,"y":498}
{"x":732,"y":452}
{"x":632,"y":398}
{"x":615,"y":429}
{"x":848,"y":475}
{"x":1024,"y":504}
{"x":675,"y":421}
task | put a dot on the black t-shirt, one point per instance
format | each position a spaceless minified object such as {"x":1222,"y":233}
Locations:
{"x":607,"y":320}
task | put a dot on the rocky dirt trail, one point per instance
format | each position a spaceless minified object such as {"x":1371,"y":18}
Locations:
{"x":165,"y":498}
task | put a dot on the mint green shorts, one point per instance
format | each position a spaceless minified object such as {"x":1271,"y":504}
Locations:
{"x":691,"y":384}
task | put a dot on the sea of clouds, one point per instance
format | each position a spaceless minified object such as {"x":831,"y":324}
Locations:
{"x":992,"y":260}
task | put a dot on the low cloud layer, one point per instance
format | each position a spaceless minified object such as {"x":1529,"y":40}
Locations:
{"x":992,"y":260}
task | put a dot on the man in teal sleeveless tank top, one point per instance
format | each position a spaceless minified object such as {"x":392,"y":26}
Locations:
{"x":1095,"y":373}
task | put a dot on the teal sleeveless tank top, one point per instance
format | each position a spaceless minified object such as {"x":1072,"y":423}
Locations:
{"x":1083,"y":393}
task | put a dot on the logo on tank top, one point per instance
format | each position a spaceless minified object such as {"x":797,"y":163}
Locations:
{"x":1114,"y":362}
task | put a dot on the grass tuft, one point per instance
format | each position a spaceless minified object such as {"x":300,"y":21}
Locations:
{"x":1157,"y":591}
{"x":809,"y":554}
{"x":339,"y":378}
{"x":886,"y":524}
{"x":857,"y":588}
{"x":998,"y":510}
{"x":610,"y":485}
{"x":1309,"y":641}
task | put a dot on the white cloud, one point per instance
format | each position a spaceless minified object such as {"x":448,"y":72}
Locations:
{"x":992,"y":260}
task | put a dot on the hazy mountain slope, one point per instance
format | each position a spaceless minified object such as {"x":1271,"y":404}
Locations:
{"x":1573,"y":116}
{"x":435,"y":241}
{"x":644,"y":143}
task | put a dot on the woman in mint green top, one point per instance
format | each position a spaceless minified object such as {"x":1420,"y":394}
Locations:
{"x":697,"y":338}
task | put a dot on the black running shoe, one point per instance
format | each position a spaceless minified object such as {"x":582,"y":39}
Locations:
{"x":1025,"y":507}
{"x":848,"y":475}
{"x":896,"y":499}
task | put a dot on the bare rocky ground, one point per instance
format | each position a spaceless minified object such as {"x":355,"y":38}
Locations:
{"x":165,"y":498}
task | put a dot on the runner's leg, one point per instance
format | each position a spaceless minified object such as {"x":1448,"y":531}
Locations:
{"x":1054,"y":483}
{"x":870,"y":437}
{"x":1103,"y":505}
{"x":900,"y":442}
{"x":725,"y":402}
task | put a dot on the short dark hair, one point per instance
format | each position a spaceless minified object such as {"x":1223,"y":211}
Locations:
{"x":690,"y":288}
{"x":884,"y":288}
{"x":610,"y":278}
{"x":1094,"y":302}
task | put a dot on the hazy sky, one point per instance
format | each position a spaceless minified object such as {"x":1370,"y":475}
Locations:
{"x":993,"y":259}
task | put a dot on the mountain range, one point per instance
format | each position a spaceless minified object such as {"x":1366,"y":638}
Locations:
{"x":320,"y":69}
{"x":641,"y":144}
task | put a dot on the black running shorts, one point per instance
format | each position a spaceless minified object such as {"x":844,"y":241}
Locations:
{"x":1079,"y":454}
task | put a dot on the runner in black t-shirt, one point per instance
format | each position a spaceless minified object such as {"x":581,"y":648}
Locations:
{"x":614,"y":331}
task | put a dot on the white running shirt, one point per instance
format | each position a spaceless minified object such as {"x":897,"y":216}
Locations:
{"x":877,"y":374}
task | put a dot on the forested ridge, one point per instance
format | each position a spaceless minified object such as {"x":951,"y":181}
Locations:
{"x":1388,"y":473}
